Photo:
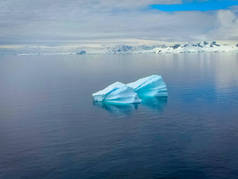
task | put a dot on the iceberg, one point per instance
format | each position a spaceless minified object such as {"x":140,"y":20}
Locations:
{"x":151,"y":86}
{"x":82,"y":52}
{"x":135,"y":92}
{"x":117,"y":93}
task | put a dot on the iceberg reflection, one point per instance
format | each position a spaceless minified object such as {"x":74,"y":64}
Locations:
{"x":155,"y":103}
{"x":118,"y":109}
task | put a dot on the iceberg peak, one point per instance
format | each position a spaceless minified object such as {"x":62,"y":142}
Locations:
{"x":117,"y":93}
{"x":151,"y":86}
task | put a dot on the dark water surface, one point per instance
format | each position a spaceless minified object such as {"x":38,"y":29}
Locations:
{"x":50,"y":128}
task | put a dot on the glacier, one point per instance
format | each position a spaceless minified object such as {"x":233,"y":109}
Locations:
{"x":151,"y":86}
{"x":117,"y":93}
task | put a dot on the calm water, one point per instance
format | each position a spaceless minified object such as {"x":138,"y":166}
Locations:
{"x":50,"y":128}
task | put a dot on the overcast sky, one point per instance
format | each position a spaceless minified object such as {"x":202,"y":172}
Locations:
{"x":46,"y":20}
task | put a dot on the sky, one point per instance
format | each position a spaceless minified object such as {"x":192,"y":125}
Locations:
{"x":205,"y":5}
{"x":66,"y":20}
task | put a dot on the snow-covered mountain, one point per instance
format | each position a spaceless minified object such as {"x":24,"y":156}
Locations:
{"x":194,"y":47}
{"x":198,"y":47}
{"x":132,"y":46}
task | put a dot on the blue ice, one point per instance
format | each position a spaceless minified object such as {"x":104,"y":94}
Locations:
{"x":117,"y":93}
{"x":120,"y":93}
{"x":151,"y":86}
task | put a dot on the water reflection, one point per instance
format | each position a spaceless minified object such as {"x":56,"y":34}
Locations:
{"x":155,"y":103}
{"x":226,"y":72}
{"x":117,"y":109}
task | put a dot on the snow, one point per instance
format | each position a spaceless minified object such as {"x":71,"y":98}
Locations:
{"x":117,"y":93}
{"x":151,"y":86}
{"x":120,"y":49}
{"x":198,"y":47}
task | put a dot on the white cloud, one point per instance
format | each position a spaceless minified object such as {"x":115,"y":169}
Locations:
{"x":226,"y":26}
{"x":77,"y":19}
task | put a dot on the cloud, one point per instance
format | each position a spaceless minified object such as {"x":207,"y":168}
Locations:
{"x":32,"y":20}
{"x":226,"y":27}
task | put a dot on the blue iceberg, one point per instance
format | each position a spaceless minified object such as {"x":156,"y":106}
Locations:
{"x":117,"y":93}
{"x":135,"y":92}
{"x":151,"y":86}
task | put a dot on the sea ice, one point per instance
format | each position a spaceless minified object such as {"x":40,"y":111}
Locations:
{"x":151,"y":86}
{"x":117,"y":93}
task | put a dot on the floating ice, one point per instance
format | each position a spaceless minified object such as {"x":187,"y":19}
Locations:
{"x":82,"y":52}
{"x":117,"y":93}
{"x":151,"y":86}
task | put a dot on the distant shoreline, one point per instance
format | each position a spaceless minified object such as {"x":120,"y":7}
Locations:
{"x":126,"y":46}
